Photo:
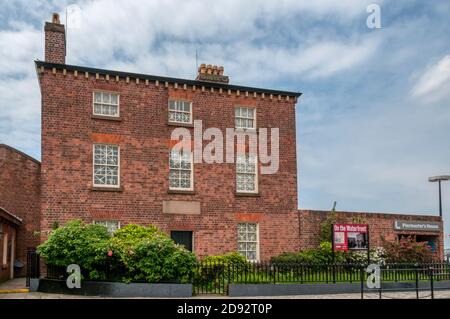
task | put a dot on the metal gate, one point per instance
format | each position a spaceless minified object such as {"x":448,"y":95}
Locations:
{"x":33,"y":264}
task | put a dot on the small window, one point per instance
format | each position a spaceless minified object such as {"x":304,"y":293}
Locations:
{"x":106,"y":104}
{"x":181,"y":171}
{"x":246,"y":173}
{"x":106,"y":165}
{"x":248,"y":240}
{"x":111,"y":225}
{"x":180,"y":112}
{"x":245,"y":117}
{"x":182,"y":238}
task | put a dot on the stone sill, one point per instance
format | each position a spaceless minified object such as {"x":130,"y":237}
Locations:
{"x":247,"y":194}
{"x":181,"y":192}
{"x":106,"y":189}
{"x":108,"y":118}
{"x":180,"y":124}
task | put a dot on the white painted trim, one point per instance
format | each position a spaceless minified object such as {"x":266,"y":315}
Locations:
{"x":184,"y":101}
{"x":118,"y":166}
{"x":192,"y":176}
{"x":106,"y":115}
{"x":247,"y":118}
{"x":256,"y":190}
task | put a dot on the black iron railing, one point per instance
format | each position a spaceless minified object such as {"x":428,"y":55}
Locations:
{"x":214,"y":277}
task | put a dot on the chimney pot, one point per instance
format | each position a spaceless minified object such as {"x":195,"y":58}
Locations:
{"x":55,"y":18}
{"x":212,"y":73}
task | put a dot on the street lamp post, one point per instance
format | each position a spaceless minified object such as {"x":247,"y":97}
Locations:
{"x":439,"y":179}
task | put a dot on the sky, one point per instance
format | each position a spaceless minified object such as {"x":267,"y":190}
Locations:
{"x":373,"y":122}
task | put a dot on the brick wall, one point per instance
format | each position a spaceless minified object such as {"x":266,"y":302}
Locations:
{"x":19,"y":194}
{"x":55,"y":43}
{"x":68,"y":134}
{"x":380,"y":226}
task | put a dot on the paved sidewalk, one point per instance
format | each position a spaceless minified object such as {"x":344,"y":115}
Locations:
{"x":391,"y":295}
{"x":13,"y":285}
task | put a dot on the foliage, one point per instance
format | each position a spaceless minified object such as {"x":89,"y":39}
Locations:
{"x":325,"y":227}
{"x":77,"y":243}
{"x":231,"y":258}
{"x":149,"y":255}
{"x":321,"y":255}
{"x":219,"y":266}
{"x":136,"y":253}
{"x":358,"y":219}
{"x":360,"y":256}
{"x":407,"y":250}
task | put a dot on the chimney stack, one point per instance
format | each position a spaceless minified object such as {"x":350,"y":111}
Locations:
{"x":55,"y":41}
{"x":211,"y":73}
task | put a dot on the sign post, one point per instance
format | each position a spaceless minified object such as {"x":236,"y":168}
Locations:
{"x":351,"y":237}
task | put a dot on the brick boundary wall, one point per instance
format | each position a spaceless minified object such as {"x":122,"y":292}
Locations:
{"x":20,"y":194}
{"x":380,"y":225}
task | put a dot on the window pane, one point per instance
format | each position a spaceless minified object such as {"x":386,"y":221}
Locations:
{"x":248,"y":240}
{"x":180,"y":112}
{"x":106,"y":98}
{"x":106,"y":165}
{"x":114,"y":99}
{"x":180,"y":173}
{"x":97,"y":97}
{"x":106,"y":104}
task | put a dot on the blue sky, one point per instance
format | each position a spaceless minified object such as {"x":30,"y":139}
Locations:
{"x":374,"y":120}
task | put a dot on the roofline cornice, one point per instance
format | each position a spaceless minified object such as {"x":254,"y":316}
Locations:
{"x":163,"y":79}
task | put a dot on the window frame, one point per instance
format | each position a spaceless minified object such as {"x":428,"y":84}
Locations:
{"x":96,"y":221}
{"x":257,"y":241}
{"x":192,"y":175}
{"x":246,"y":118}
{"x":256,"y":180}
{"x":191,"y":112}
{"x":192,"y":236}
{"x":118,"y":167}
{"x":106,"y":115}
{"x":5,"y":250}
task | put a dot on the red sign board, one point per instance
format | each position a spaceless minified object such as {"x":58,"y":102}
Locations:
{"x":350,"y":236}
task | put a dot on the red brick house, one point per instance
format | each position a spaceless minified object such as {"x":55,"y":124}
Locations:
{"x":107,"y":159}
{"x":105,"y":156}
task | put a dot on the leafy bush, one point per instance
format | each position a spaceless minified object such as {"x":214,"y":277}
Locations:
{"x":232,"y":258}
{"x":321,"y":255}
{"x":216,"y":267}
{"x":360,"y":256}
{"x":150,"y":255}
{"x":77,"y":243}
{"x":407,"y":250}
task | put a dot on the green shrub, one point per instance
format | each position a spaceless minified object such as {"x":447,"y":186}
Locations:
{"x":321,"y":255}
{"x":232,"y":258}
{"x":360,"y":256}
{"x":217,"y":267}
{"x":407,"y":250}
{"x":150,"y":255}
{"x":77,"y":243}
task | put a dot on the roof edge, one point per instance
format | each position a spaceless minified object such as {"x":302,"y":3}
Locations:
{"x":10,"y":216}
{"x":371,"y":213}
{"x":164,"y":79}
{"x":20,"y":153}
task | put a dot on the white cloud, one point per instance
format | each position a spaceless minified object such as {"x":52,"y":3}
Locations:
{"x":435,"y":80}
